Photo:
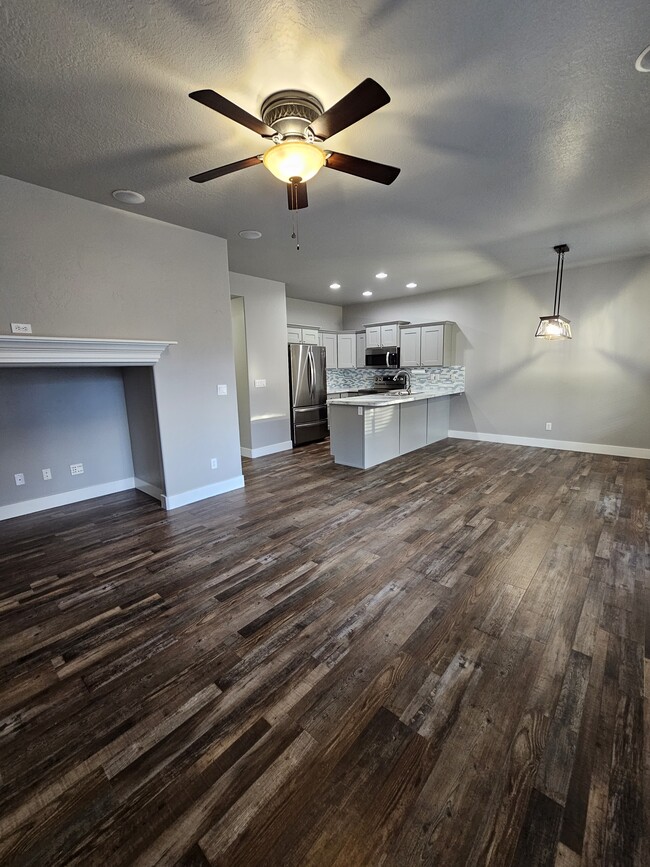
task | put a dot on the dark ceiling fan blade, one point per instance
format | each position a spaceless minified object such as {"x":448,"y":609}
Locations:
{"x":228,"y":109}
{"x":362,"y":168}
{"x":297,"y":196}
{"x":226,"y":170}
{"x":360,"y":102}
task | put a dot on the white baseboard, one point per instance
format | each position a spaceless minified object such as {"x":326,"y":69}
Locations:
{"x":26,"y":507}
{"x":266,"y":450}
{"x":147,"y":488}
{"x":563,"y":445}
{"x":177,"y":500}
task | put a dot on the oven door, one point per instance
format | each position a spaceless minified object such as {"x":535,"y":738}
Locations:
{"x":387,"y":356}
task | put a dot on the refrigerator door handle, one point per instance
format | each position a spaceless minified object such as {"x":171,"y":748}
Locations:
{"x":310,"y":369}
{"x":388,"y":359}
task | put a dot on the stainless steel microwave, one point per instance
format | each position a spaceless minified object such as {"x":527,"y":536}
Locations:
{"x":386,"y":356}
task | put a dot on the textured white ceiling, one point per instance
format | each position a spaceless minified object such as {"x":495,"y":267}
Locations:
{"x":518,"y":124}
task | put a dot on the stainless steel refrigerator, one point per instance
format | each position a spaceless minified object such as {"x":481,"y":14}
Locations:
{"x":308,"y":393}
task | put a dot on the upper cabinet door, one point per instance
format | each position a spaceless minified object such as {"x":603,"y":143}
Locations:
{"x":329,"y":341}
{"x":373,"y":337}
{"x":361,"y":349}
{"x":431,"y":352}
{"x":410,"y":347}
{"x":310,"y":335}
{"x":389,"y":335}
{"x":294,"y":335}
{"x":347,"y":350}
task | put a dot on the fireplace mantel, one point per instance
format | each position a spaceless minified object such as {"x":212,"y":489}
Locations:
{"x":19,"y":350}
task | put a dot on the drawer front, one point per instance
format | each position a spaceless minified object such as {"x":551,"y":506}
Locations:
{"x":310,"y":415}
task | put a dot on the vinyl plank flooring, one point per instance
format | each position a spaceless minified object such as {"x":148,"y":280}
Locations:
{"x":440,"y":660}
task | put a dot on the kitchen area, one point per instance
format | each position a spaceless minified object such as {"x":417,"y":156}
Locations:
{"x":379,"y":392}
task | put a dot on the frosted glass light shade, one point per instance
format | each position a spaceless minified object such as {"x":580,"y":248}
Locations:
{"x":294,"y":159}
{"x":554,"y":328}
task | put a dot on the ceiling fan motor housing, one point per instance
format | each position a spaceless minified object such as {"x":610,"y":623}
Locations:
{"x":290,"y":112}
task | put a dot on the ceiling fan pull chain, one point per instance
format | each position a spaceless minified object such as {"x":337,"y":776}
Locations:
{"x":294,"y":212}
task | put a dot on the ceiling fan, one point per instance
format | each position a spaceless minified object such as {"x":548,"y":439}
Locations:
{"x":294,"y":121}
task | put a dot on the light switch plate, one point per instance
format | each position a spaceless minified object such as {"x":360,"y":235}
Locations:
{"x":359,"y":410}
{"x":222,"y":389}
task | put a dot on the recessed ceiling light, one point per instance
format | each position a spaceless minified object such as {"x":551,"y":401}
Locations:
{"x":381,"y":275}
{"x":250,"y":234}
{"x":643,"y":61}
{"x":128,"y":197}
{"x":367,"y":292}
{"x":335,"y":285}
{"x":411,"y":285}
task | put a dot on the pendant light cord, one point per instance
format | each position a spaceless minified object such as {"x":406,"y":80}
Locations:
{"x":558,"y":281}
{"x":558,"y":289}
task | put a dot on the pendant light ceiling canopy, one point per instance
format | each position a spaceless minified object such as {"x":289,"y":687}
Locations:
{"x":556,"y":327}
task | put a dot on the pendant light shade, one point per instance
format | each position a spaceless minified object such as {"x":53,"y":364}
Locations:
{"x":556,"y":327}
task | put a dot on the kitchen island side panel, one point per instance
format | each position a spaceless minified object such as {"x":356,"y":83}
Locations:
{"x":437,"y":419}
{"x":346,"y":436}
{"x":381,"y":434}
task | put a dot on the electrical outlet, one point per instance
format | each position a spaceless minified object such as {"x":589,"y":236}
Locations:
{"x":76,"y":469}
{"x":47,"y":474}
{"x":20,"y":478}
{"x":222,"y":389}
{"x":214,"y":463}
{"x":260,"y":383}
{"x":549,"y":426}
{"x":21,"y":328}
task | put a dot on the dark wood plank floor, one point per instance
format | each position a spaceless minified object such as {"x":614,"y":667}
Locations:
{"x":439,"y":661}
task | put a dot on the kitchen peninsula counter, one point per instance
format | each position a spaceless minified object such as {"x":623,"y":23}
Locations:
{"x":370,"y":429}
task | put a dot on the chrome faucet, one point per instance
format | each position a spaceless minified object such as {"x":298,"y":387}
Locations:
{"x":406,"y":375}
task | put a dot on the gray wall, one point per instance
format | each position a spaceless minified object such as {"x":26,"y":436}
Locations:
{"x":265,"y":319}
{"x":139,"y":392}
{"x":594,"y":388}
{"x":327,"y":316}
{"x":241,"y":371}
{"x":76,"y":268}
{"x":52,"y":418}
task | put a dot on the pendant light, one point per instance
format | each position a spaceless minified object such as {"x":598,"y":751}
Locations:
{"x":556,"y":327}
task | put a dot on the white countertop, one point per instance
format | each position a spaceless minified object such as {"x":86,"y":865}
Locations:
{"x":387,"y":399}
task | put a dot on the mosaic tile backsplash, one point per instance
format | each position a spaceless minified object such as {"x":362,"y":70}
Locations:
{"x":351,"y":379}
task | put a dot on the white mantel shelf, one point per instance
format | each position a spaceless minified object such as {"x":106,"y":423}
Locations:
{"x":19,"y":350}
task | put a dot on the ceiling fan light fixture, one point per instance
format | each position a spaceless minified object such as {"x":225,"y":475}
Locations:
{"x":556,"y":327}
{"x":294,"y":159}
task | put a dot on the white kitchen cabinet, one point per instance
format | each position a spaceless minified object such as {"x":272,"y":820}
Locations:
{"x":361,"y":348}
{"x":329,"y":340}
{"x":373,"y":337}
{"x":410,"y":346}
{"x":430,"y":345}
{"x":390,"y":335}
{"x":382,"y":334}
{"x":302,"y":334}
{"x":347,"y":350}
